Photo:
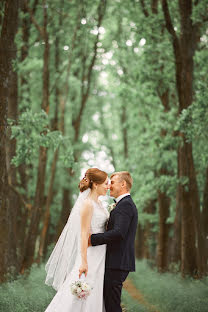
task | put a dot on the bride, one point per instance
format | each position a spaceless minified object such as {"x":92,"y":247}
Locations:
{"x":71,"y":256}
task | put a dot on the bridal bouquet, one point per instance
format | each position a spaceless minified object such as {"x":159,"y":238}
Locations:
{"x":81,"y":289}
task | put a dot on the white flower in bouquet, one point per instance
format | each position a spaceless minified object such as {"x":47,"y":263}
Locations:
{"x":85,"y":286}
{"x":79,"y":290}
{"x":73,"y":289}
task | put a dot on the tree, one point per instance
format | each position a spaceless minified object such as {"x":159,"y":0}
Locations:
{"x":7,"y":46}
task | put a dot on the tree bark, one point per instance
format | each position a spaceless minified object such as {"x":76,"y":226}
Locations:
{"x":204,"y":222}
{"x":8,"y":32}
{"x":184,"y":48}
{"x":54,"y":126}
{"x":163,"y":236}
{"x":65,"y":212}
{"x":139,"y":242}
{"x":176,"y":241}
{"x":46,"y":218}
{"x":163,"y":203}
{"x":40,"y":185}
{"x":14,"y":206}
{"x":145,"y":235}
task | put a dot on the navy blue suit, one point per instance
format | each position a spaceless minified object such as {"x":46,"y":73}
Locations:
{"x":120,"y":254}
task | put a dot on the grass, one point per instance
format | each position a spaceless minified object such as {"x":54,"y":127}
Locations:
{"x":26,"y":294}
{"x":169,"y":292}
{"x":130,"y":304}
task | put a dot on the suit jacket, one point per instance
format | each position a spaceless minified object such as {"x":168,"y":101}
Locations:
{"x":120,"y":236}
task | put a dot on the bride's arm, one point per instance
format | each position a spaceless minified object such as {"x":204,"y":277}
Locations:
{"x":86,"y":216}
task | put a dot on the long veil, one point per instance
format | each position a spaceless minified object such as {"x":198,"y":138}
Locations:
{"x":63,"y":256}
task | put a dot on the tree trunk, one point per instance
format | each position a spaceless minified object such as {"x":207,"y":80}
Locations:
{"x":188,"y":231}
{"x":176,"y":241}
{"x":145,"y":235}
{"x":40,"y":186}
{"x":46,"y":218}
{"x":163,"y":236}
{"x":204,"y":222}
{"x":65,"y":212}
{"x":163,"y":203}
{"x":14,"y":207}
{"x":8,"y":31}
{"x":184,"y":48}
{"x":54,"y":126}
{"x":139,"y":242}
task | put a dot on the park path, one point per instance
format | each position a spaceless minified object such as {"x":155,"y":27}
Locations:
{"x":137,"y":295}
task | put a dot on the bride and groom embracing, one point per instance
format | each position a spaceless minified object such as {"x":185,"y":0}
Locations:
{"x":96,"y":243}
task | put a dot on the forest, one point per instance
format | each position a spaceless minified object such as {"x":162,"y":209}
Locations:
{"x":118,"y":85}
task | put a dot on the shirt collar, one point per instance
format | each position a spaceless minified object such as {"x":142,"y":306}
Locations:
{"x":121,"y":196}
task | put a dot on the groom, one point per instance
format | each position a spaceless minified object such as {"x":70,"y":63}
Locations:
{"x":119,"y":237}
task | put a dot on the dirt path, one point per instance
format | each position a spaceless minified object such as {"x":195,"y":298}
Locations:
{"x":135,"y":293}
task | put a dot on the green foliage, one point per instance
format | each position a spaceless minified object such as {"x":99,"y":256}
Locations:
{"x":31,"y":132}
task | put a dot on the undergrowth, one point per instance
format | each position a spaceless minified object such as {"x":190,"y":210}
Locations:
{"x":169,"y":292}
{"x":27,"y":293}
{"x":130,"y":304}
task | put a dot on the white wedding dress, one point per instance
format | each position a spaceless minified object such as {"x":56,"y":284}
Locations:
{"x":64,"y":301}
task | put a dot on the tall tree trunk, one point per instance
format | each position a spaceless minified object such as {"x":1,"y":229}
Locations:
{"x":40,"y":185}
{"x":65,"y":212}
{"x":184,"y":48}
{"x":145,"y":235}
{"x":46,"y":218}
{"x":163,"y":203}
{"x":14,"y":206}
{"x":204,"y":222}
{"x":8,"y":31}
{"x":162,"y":249}
{"x":139,"y":242}
{"x":54,"y":126}
{"x":176,"y":241}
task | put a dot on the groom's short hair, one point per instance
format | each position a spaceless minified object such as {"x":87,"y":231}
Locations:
{"x":124,"y":175}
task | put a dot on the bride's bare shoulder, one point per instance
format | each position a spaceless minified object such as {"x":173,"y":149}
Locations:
{"x":87,"y":206}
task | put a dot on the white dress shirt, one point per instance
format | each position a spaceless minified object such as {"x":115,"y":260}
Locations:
{"x":121,"y":196}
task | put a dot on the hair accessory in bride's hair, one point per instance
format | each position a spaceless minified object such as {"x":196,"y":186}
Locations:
{"x":85,"y":178}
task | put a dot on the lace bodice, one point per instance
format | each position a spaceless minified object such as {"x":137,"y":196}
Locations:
{"x":99,"y":218}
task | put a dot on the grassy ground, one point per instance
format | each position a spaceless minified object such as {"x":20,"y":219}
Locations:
{"x":26,"y":294}
{"x":130,"y":304}
{"x":168,"y":292}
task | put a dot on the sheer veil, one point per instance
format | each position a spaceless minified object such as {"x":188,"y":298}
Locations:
{"x":62,"y":258}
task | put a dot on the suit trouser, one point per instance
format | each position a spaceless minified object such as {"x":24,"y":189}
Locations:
{"x":113,"y":283}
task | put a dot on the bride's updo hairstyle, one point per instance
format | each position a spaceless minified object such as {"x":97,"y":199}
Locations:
{"x":92,"y":175}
